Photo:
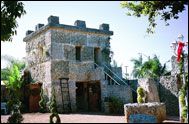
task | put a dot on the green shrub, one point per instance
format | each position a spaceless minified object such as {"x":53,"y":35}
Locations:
{"x":53,"y":109}
{"x":182,"y":99}
{"x":116,"y":105}
{"x":42,"y":102}
{"x":139,"y":99}
{"x":16,"y":116}
{"x":184,"y":113}
{"x":140,"y":91}
{"x":140,"y":95}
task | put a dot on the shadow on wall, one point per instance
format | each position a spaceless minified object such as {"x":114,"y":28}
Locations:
{"x":133,"y":84}
{"x":170,"y":99}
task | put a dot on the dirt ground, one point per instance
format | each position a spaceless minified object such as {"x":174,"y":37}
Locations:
{"x":78,"y":118}
{"x":69,"y":118}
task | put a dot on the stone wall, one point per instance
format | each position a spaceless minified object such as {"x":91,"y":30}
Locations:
{"x":155,"y":109}
{"x":36,"y":49}
{"x":59,"y":97}
{"x":104,"y":93}
{"x":175,"y":68}
{"x":121,"y":91}
{"x":168,"y":92}
{"x":59,"y":69}
{"x":64,"y":42}
{"x":85,"y":71}
{"x":87,"y":53}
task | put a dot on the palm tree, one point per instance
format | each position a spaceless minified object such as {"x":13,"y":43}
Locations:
{"x":137,"y":71}
{"x":151,"y":68}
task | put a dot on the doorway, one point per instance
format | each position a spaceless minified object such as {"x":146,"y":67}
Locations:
{"x":88,"y":97}
{"x":81,"y":96}
{"x":94,"y":97}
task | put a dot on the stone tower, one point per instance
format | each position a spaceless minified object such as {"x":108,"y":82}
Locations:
{"x":57,"y":51}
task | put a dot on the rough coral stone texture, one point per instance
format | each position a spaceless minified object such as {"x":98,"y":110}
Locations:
{"x":155,"y":109}
{"x":175,"y":65}
{"x":87,"y":53}
{"x":80,"y":71}
{"x":168,"y":91}
{"x":150,"y":87}
{"x":59,"y":69}
{"x":119,"y":90}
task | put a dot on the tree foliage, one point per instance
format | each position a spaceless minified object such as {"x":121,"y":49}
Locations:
{"x":11,"y":61}
{"x":151,"y":68}
{"x":13,"y":85}
{"x":14,"y":78}
{"x":4,"y":73}
{"x":165,"y":9}
{"x":10,"y":11}
{"x":137,"y":71}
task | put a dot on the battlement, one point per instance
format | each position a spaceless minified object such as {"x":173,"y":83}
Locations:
{"x":79,"y":25}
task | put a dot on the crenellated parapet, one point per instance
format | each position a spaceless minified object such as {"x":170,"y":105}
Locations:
{"x":79,"y":25}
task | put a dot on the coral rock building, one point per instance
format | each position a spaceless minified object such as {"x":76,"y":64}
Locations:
{"x":56,"y":51}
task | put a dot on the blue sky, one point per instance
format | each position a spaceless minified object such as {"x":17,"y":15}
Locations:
{"x":129,"y":32}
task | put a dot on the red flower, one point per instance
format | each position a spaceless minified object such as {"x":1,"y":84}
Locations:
{"x":179,"y":50}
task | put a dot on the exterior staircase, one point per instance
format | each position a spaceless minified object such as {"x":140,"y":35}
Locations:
{"x":111,"y":77}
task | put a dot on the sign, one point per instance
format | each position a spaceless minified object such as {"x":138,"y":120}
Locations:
{"x":142,"y":118}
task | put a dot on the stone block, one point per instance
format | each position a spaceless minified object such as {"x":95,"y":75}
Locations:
{"x":104,"y":27}
{"x":59,"y":69}
{"x":97,"y":74}
{"x":145,"y":112}
{"x":53,"y":20}
{"x":80,"y":71}
{"x":69,"y":52}
{"x":57,"y":51}
{"x":38,"y":26}
{"x":149,"y":85}
{"x":87,"y":53}
{"x":106,"y":108}
{"x":28,"y":32}
{"x":80,"y":24}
